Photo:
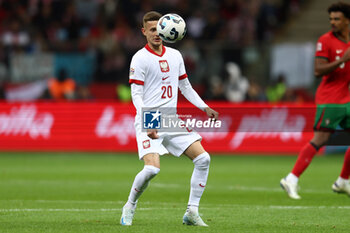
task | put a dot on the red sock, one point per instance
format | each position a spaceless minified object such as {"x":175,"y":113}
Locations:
{"x":304,"y":159}
{"x":345,"y":172}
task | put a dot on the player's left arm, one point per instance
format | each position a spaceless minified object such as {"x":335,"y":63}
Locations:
{"x":192,"y":96}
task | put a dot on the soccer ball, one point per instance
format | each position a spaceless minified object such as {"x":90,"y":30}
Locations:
{"x":171,"y":28}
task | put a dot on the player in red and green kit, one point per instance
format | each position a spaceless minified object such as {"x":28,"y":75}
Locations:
{"x":332,"y":98}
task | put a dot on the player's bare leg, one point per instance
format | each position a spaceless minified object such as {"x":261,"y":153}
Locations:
{"x":290,"y":182}
{"x":201,"y":160}
{"x":321,"y":137}
{"x":142,"y":179}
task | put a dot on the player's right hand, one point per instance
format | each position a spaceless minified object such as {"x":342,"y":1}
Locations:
{"x":152,"y":133}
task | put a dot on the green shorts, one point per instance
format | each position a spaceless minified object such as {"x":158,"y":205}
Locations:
{"x":330,"y":116}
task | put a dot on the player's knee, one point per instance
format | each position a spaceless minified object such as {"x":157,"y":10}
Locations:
{"x":152,"y":171}
{"x":320,"y":139}
{"x":202,"y":160}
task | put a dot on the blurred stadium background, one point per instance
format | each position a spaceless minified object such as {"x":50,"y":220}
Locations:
{"x":64,"y":69}
{"x":67,"y":160}
{"x":94,"y":40}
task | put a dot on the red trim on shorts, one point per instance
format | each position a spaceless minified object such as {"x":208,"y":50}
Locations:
{"x":152,"y":51}
{"x":318,"y":125}
{"x":139,"y":82}
{"x":183,"y":76}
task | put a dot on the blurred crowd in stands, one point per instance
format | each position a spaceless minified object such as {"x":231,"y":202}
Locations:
{"x":110,"y":29}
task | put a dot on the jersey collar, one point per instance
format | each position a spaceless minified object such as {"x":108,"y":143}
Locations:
{"x":337,"y":36}
{"x":151,"y":50}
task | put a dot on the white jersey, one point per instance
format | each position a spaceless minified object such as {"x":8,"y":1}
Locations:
{"x":159,"y":75}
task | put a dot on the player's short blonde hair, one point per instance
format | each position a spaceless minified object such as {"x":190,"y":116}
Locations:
{"x":151,"y":16}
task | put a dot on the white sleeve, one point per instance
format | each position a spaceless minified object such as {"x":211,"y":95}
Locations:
{"x":137,"y":70}
{"x":190,"y":94}
{"x":137,"y":97}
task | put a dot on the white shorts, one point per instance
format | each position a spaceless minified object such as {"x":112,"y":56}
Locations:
{"x":173,"y":143}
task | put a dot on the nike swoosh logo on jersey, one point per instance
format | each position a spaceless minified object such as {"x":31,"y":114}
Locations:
{"x":338,"y":51}
{"x":165,"y":78}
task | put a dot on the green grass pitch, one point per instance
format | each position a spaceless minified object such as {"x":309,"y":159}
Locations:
{"x":84,"y":192}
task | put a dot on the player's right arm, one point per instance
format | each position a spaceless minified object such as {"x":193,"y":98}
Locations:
{"x":137,"y":80}
{"x":136,"y":96}
{"x":323,"y":66}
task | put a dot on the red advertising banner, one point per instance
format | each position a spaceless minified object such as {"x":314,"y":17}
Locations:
{"x":108,"y":126}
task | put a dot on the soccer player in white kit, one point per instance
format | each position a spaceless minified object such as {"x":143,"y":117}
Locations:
{"x":156,"y":73}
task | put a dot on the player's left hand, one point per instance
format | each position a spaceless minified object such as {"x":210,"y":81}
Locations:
{"x":346,"y":56}
{"x":152,"y":133}
{"x":211,"y":113}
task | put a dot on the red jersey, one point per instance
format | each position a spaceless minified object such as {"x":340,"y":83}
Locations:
{"x":334,"y":88}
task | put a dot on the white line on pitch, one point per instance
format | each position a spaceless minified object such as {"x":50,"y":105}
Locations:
{"x":57,"y":210}
{"x":170,"y":186}
{"x":309,"y":207}
{"x":153,"y":208}
{"x":67,"y":201}
{"x":277,"y":189}
{"x":90,"y":202}
{"x":73,"y":210}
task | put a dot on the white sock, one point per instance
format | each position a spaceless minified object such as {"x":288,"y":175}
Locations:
{"x":292,"y":178}
{"x":192,"y":208}
{"x":141,"y":182}
{"x":341,"y":181}
{"x":198,"y":180}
